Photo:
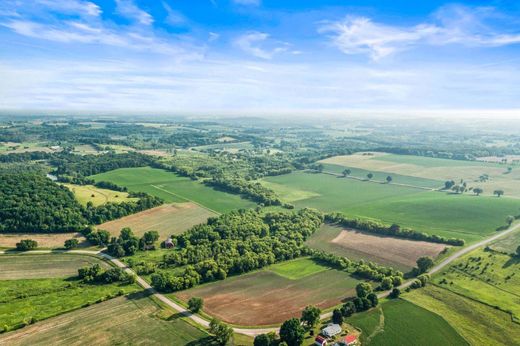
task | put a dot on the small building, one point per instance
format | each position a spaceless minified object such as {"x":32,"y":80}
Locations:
{"x":349,"y":340}
{"x":331,"y":330}
{"x":320,"y":341}
{"x":168,"y":243}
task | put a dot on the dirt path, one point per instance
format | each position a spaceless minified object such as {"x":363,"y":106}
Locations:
{"x":187,"y":199}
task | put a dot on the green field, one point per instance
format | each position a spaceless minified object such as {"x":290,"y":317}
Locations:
{"x":41,"y":266}
{"x":97,"y":196}
{"x":478,"y":323}
{"x":398,"y":322}
{"x":507,"y":244}
{"x":173,"y":188}
{"x":135,"y":319}
{"x":460,"y":216}
{"x":297,"y":269}
{"x":486,"y":276}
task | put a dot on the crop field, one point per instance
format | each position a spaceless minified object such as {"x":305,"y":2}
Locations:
{"x":507,"y":244}
{"x":9,"y":240}
{"x":40,"y":266}
{"x":266,"y":297}
{"x":166,"y":219}
{"x":436,"y":169}
{"x":398,"y":253}
{"x":232,"y":147}
{"x":135,"y":319}
{"x":460,"y":216}
{"x":486,"y":276}
{"x":97,"y":196}
{"x":476,"y":322}
{"x":398,"y":322}
{"x":24,"y":147}
{"x":174,"y":189}
{"x":85,"y":149}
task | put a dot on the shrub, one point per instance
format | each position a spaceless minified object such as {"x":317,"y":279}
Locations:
{"x":26,"y":245}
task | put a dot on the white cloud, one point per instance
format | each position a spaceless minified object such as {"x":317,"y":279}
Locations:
{"x":174,"y":17}
{"x":85,"y":8}
{"x":129,"y":9}
{"x":251,"y":43}
{"x":247,"y":2}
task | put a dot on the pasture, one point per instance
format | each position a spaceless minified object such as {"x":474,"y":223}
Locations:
{"x":98,"y":196}
{"x":174,"y":188}
{"x":398,"y":322}
{"x":476,"y":322}
{"x":398,"y":253}
{"x":461,"y":216}
{"x":486,"y":276}
{"x":436,"y":169}
{"x":507,"y":244}
{"x":41,"y":266}
{"x":134,"y":319}
{"x":166,"y":219}
{"x":45,"y":241}
{"x":265,"y":297}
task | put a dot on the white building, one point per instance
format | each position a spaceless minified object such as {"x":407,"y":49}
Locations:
{"x":331,"y":330}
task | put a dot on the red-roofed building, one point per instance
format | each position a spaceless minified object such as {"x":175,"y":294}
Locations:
{"x":320,"y":341}
{"x":349,"y":340}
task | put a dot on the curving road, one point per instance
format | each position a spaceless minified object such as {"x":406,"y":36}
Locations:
{"x":255,"y":331}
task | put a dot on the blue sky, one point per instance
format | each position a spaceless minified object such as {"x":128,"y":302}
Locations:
{"x":260,"y":56}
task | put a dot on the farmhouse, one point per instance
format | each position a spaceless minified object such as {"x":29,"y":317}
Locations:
{"x":349,"y":340}
{"x":320,"y":341}
{"x":168,"y":243}
{"x":331,"y":330}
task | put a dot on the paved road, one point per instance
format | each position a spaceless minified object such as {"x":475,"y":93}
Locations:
{"x":253,"y":331}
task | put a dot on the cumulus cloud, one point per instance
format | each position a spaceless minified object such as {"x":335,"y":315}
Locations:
{"x":252,"y":43}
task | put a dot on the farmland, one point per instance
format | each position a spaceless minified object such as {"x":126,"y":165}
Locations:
{"x":9,"y":240}
{"x":266,"y":297}
{"x":459,"y":216}
{"x":401,"y":254}
{"x":166,"y":219}
{"x":117,"y":321}
{"x":476,"y":322}
{"x":398,"y":322}
{"x":173,"y":188}
{"x":97,"y":196}
{"x":507,"y":244}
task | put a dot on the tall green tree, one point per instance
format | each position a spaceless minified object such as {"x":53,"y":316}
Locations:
{"x":292,"y":332}
{"x":310,"y":316}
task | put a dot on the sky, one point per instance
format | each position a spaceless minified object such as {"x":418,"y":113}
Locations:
{"x":260,"y":56}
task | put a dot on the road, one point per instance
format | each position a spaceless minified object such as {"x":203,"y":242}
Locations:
{"x":255,"y":331}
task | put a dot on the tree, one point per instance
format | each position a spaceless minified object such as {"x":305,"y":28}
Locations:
{"x":510,"y":219}
{"x":389,"y":179}
{"x":221,"y":331}
{"x":195,"y":304}
{"x":363,"y":289}
{"x":310,"y":316}
{"x":26,"y":245}
{"x":396,"y":292}
{"x":319,"y":168}
{"x":148,"y":240}
{"x":424,"y":264}
{"x":370,"y":176}
{"x":346,"y":172}
{"x":498,"y":193}
{"x":337,"y":316}
{"x":71,"y":243}
{"x":387,"y":283}
{"x":292,"y":332}
{"x":372,"y":297}
{"x":518,"y":251}
{"x":477,"y":191}
{"x":262,"y":340}
{"x":348,"y":309}
{"x":449,"y":184}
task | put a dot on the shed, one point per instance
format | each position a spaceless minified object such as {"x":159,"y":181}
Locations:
{"x":320,"y":341}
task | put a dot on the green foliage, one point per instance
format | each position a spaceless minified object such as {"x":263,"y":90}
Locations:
{"x":262,"y":340}
{"x":221,"y":331}
{"x":363,"y":289}
{"x":26,"y":245}
{"x":125,"y":245}
{"x":96,"y":274}
{"x":337,"y":316}
{"x":310,"y":316}
{"x":71,"y":243}
{"x":396,"y":292}
{"x":424,"y":264}
{"x":292,"y":332}
{"x":195,"y":304}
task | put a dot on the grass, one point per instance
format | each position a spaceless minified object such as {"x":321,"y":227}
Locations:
{"x":174,"y":188}
{"x":297,"y":269}
{"x":398,"y":322}
{"x":479,"y":324}
{"x":166,"y":219}
{"x":45,"y":240}
{"x":135,"y":319}
{"x":32,"y":266}
{"x":486,"y":276}
{"x":507,"y":244}
{"x":460,"y":216}
{"x":97,"y":196}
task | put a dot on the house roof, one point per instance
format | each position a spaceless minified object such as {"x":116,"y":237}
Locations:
{"x":350,"y":338}
{"x":332,"y":329}
{"x":320,"y":339}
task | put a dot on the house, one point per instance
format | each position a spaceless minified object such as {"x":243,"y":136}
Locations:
{"x":349,"y":340}
{"x":168,"y":243}
{"x":320,"y":341}
{"x":331,"y":330}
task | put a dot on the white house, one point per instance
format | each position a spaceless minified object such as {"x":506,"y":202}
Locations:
{"x":331,"y":330}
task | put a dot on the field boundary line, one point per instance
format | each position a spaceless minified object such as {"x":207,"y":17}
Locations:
{"x":380,"y":182}
{"x":187,"y":199}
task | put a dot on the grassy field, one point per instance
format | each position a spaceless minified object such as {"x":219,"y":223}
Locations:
{"x":486,"y":276}
{"x":135,"y":319}
{"x":435,"y":169}
{"x":85,"y":149}
{"x":297,"y":269}
{"x":45,"y":240}
{"x":476,"y":322}
{"x":398,"y":322}
{"x":40,"y":266}
{"x":173,"y":188}
{"x":97,"y":196}
{"x":265,"y":297}
{"x":398,"y":253}
{"x":166,"y":219}
{"x":507,"y":244}
{"x":461,"y":216}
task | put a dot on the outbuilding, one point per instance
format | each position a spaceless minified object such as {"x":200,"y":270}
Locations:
{"x":331,"y":330}
{"x":320,"y":341}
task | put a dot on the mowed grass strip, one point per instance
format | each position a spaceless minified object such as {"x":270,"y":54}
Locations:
{"x":135,"y":319}
{"x":264,"y":297}
{"x":29,"y":266}
{"x":174,"y":188}
{"x":478,"y":323}
{"x":167,"y":219}
{"x":97,"y":196}
{"x":297,"y":269}
{"x":399,"y":322}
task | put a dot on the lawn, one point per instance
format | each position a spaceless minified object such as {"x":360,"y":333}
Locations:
{"x":41,"y":266}
{"x":135,"y":319}
{"x":478,"y":323}
{"x":398,"y":322}
{"x":97,"y":196}
{"x":507,"y":244}
{"x":297,"y":269}
{"x":461,"y":216}
{"x":265,"y":297}
{"x":174,"y":188}
{"x":166,"y":219}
